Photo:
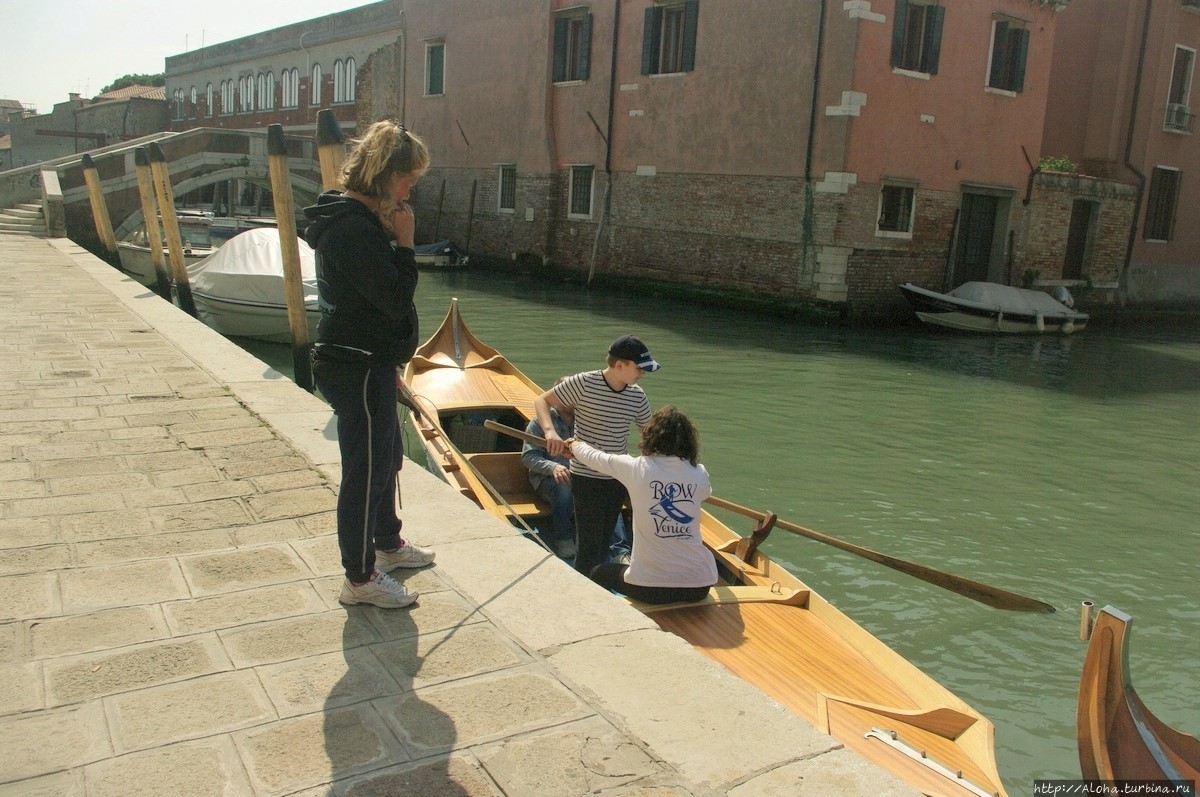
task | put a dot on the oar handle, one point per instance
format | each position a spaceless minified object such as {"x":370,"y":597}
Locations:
{"x":496,"y":426}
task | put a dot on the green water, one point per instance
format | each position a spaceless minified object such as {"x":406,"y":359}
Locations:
{"x":1063,"y":469}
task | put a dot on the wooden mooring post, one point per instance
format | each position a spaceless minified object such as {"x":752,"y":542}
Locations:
{"x":145,"y":180}
{"x":100,"y":211}
{"x":293,"y":284}
{"x":331,"y":149}
{"x":166,"y":202}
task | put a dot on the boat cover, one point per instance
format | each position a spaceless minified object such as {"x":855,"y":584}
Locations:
{"x":249,"y":268}
{"x":1019,"y":301}
{"x":441,"y":248}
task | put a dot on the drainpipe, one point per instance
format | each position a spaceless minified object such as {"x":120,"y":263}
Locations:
{"x":808,"y":221}
{"x":1122,"y":282}
{"x":612,"y":91}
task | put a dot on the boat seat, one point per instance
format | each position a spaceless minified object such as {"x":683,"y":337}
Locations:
{"x":504,"y":471}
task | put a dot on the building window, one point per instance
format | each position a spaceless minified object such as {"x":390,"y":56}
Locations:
{"x":246,"y":90}
{"x":289,"y":88}
{"x":314,"y":99}
{"x":1161,"y":204}
{"x":1010,"y":46}
{"x":226,"y":97}
{"x":435,"y":68}
{"x":572,"y":47}
{"x":508,"y":188}
{"x":266,"y":91}
{"x":580,"y":192}
{"x":896,"y":211}
{"x":177,"y":104}
{"x":669,"y":38}
{"x":917,"y":36}
{"x":344,"y":75}
{"x":1179,"y":117}
{"x":208,"y":101}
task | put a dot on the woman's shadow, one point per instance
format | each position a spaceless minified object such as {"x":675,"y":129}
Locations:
{"x":381,"y":738}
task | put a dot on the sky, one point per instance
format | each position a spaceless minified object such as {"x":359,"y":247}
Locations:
{"x":51,"y":48}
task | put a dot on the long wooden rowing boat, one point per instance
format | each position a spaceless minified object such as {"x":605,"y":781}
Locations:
{"x":762,"y":622}
{"x":1119,"y":739}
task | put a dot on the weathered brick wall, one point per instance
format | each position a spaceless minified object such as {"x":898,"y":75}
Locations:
{"x":491,"y":232}
{"x":1042,"y":229}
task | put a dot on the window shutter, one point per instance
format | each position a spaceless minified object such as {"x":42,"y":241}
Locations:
{"x":691,"y":14}
{"x":560,"y":50}
{"x":999,"y":45}
{"x":900,"y":24}
{"x":650,"y":40}
{"x":1022,"y":50}
{"x":585,"y":48}
{"x":933,"y":39}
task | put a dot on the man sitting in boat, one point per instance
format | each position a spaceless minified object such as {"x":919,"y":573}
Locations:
{"x":551,"y":477}
{"x":666,"y":486}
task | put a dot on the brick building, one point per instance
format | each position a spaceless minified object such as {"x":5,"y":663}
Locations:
{"x":818,"y":154}
{"x":1120,"y":106}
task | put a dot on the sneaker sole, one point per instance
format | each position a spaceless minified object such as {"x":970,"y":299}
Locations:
{"x":356,"y":602}
{"x":397,"y":565}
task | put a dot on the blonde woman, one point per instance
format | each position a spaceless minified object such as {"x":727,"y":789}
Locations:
{"x":366,"y":277}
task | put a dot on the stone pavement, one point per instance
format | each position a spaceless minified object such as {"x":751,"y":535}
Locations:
{"x":169,"y":622}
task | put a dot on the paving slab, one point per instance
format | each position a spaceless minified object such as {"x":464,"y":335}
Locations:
{"x":169,"y":620}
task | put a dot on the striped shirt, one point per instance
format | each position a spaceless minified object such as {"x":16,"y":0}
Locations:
{"x":602,"y":415}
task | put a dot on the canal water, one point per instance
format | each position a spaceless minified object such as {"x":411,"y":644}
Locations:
{"x":1062,"y":468}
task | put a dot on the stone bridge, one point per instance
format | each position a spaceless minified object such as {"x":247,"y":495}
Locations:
{"x":195,"y":158}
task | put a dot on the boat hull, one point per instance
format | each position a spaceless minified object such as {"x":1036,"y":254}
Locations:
{"x":267,"y":322}
{"x":138,"y":261}
{"x":763,"y":623}
{"x":944,"y":310}
{"x":1119,"y":738}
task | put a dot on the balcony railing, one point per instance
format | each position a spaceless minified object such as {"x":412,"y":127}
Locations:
{"x":1178,"y":117}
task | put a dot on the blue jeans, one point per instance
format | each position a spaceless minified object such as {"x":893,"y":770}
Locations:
{"x":562,"y":509}
{"x":364,"y":399}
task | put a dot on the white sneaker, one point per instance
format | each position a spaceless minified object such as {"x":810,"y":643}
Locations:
{"x":382,"y":591}
{"x":407,"y":555}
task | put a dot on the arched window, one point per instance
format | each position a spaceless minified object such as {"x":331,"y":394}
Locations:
{"x":266,"y":91}
{"x":226,"y":97}
{"x":208,"y":101}
{"x":338,"y":78}
{"x":289,"y":83}
{"x":177,"y":96}
{"x":314,"y":91}
{"x":242,"y":106}
{"x":348,"y":84}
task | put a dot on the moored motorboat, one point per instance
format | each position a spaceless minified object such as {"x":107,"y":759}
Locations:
{"x":1119,"y":738}
{"x":138,"y":261}
{"x":991,"y":307}
{"x":239,"y":289}
{"x":440,"y":255}
{"x":761,"y":622}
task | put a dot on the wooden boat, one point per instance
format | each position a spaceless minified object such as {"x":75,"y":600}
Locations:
{"x":990,"y":307}
{"x":762,"y":622}
{"x":1119,"y":739}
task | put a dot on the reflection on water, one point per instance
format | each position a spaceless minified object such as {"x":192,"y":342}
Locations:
{"x":1062,"y":468}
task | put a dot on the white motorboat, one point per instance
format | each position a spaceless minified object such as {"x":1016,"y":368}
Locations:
{"x":239,"y":289}
{"x":991,"y":307}
{"x":138,"y":262}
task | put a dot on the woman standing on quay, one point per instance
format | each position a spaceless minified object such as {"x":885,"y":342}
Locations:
{"x":366,"y":277}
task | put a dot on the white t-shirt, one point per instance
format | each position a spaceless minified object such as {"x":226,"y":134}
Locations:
{"x":665,"y":493}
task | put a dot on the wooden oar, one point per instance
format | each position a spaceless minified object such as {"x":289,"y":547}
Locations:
{"x":406,"y":397}
{"x":992,"y":596}
{"x":984,"y":593}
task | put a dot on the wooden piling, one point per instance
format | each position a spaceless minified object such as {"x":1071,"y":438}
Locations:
{"x":100,"y":211}
{"x":331,"y":149}
{"x":166,"y":202}
{"x":154,"y":237}
{"x":285,"y":219}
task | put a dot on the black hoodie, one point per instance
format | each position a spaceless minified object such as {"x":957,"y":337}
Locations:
{"x":365,"y":282}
